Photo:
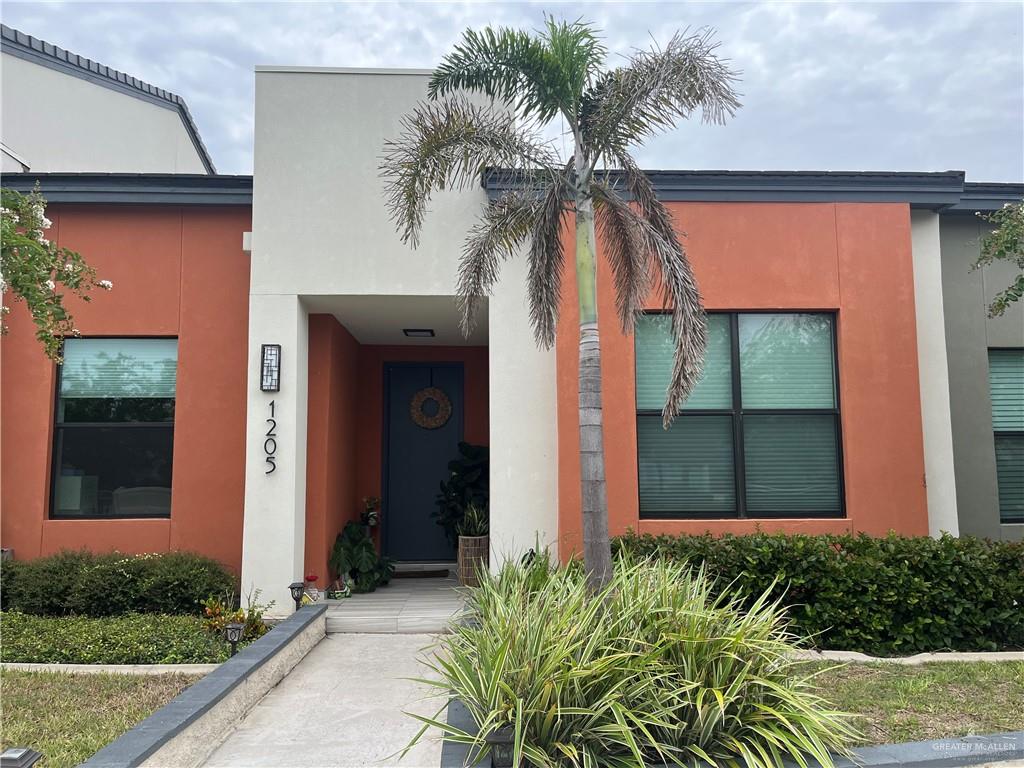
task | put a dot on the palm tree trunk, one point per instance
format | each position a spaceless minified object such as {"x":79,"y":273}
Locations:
{"x":597,"y":554}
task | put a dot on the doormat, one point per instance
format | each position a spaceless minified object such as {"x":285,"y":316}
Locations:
{"x":435,"y":573}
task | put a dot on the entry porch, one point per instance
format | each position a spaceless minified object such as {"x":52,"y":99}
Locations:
{"x":375,"y":395}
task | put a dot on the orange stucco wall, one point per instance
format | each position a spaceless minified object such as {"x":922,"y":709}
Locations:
{"x":176,"y":272}
{"x":854,"y":259}
{"x":344,"y":458}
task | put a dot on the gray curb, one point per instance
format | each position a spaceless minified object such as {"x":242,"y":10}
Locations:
{"x":141,"y":742}
{"x":939,"y":753}
{"x":910,"y":661}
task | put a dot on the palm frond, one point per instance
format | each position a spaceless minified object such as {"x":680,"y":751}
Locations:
{"x":546,"y":263}
{"x":678,"y":286}
{"x":656,"y":89}
{"x":449,"y":144}
{"x":503,"y":227}
{"x":626,"y":246}
{"x":538,"y":75}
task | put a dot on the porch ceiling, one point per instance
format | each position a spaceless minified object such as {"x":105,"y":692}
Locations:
{"x":381,"y":319}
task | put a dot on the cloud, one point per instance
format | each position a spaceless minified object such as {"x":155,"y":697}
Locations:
{"x":829,"y":86}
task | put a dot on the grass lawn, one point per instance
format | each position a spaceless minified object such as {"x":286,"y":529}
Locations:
{"x":901,"y":703}
{"x":70,"y":717}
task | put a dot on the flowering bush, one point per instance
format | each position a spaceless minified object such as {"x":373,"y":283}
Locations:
{"x":34,"y":269}
{"x":1004,"y":243}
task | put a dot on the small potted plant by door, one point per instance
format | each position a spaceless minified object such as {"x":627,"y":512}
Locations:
{"x":474,"y":544}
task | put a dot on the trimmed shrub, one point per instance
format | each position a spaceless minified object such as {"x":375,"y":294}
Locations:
{"x":88,"y":584}
{"x":128,"y":639}
{"x":884,"y":596}
{"x":653,"y":669}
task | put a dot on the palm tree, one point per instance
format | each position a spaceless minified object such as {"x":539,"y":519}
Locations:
{"x":449,"y":141}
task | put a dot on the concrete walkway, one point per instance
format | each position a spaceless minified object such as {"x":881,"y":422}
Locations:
{"x":342,"y":707}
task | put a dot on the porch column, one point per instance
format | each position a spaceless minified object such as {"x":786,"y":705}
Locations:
{"x":933,"y":374}
{"x":273,"y":534}
{"x":523,"y":424}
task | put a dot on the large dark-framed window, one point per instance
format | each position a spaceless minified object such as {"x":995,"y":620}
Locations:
{"x":1006,"y":390}
{"x":114,"y":428}
{"x":759,"y":436}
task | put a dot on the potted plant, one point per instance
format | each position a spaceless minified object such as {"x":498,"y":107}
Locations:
{"x":474,"y":544}
{"x":468,"y":483}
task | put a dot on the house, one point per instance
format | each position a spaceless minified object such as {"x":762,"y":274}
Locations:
{"x":64,"y":112}
{"x":250,"y":380}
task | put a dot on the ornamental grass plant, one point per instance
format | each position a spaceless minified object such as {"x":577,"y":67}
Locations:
{"x":653,"y":669}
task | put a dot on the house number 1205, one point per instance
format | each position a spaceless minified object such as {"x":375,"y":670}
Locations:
{"x":270,"y":444}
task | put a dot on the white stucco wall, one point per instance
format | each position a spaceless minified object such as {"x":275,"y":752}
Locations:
{"x":321,"y":229}
{"x":59,"y":122}
{"x":524,"y":437}
{"x":933,"y":374}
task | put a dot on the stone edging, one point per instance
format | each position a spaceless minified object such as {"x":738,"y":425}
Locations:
{"x":940,"y":753}
{"x":112,"y":669}
{"x":916,"y":659}
{"x":184,"y":732}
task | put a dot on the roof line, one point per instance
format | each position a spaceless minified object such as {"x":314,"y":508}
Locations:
{"x":135,"y":188}
{"x":40,"y":52}
{"x":934,"y":191}
{"x":340,"y":70}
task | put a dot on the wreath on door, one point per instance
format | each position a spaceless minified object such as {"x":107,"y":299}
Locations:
{"x":433,"y":420}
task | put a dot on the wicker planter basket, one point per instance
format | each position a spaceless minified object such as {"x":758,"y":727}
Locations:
{"x":474,"y":553}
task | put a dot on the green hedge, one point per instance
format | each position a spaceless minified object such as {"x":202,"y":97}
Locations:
{"x":884,"y":596}
{"x":88,"y":584}
{"x":129,"y":639}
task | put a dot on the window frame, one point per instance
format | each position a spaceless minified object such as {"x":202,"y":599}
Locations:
{"x":58,"y":427}
{"x":737,"y":412}
{"x":1000,"y":433}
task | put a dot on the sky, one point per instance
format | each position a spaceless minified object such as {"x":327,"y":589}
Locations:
{"x":898,"y":86}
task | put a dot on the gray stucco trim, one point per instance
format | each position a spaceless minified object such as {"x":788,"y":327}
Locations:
{"x":135,"y":188}
{"x":142,"y":741}
{"x":938,"y":753}
{"x":40,"y":52}
{"x":934,"y":191}
{"x":970,"y":333}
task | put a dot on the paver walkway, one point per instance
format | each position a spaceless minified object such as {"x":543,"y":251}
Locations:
{"x":417,"y":606}
{"x":342,"y":707}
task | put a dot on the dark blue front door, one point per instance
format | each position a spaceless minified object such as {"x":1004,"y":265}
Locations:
{"x":416,"y":459}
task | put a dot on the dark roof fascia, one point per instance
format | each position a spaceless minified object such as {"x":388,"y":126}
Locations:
{"x":985,"y":197}
{"x":40,"y":52}
{"x":934,"y":191}
{"x":135,"y":188}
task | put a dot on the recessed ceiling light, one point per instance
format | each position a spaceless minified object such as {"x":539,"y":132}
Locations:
{"x":419,"y":333}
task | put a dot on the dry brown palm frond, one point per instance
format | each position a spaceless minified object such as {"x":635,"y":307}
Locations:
{"x":546,"y":264}
{"x":504,"y":226}
{"x":626,"y":246}
{"x":678,"y":286}
{"x":449,"y":144}
{"x":658,"y":88}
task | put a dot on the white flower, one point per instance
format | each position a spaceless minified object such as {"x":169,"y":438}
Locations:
{"x":3,"y":285}
{"x":106,"y":285}
{"x":46,"y":223}
{"x":69,"y":267}
{"x":50,"y":285}
{"x":75,"y":332}
{"x":42,"y":240}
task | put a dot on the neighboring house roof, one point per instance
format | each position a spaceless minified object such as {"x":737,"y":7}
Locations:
{"x":940,"y":191}
{"x":43,"y":53}
{"x":135,"y":188}
{"x":987,"y":196}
